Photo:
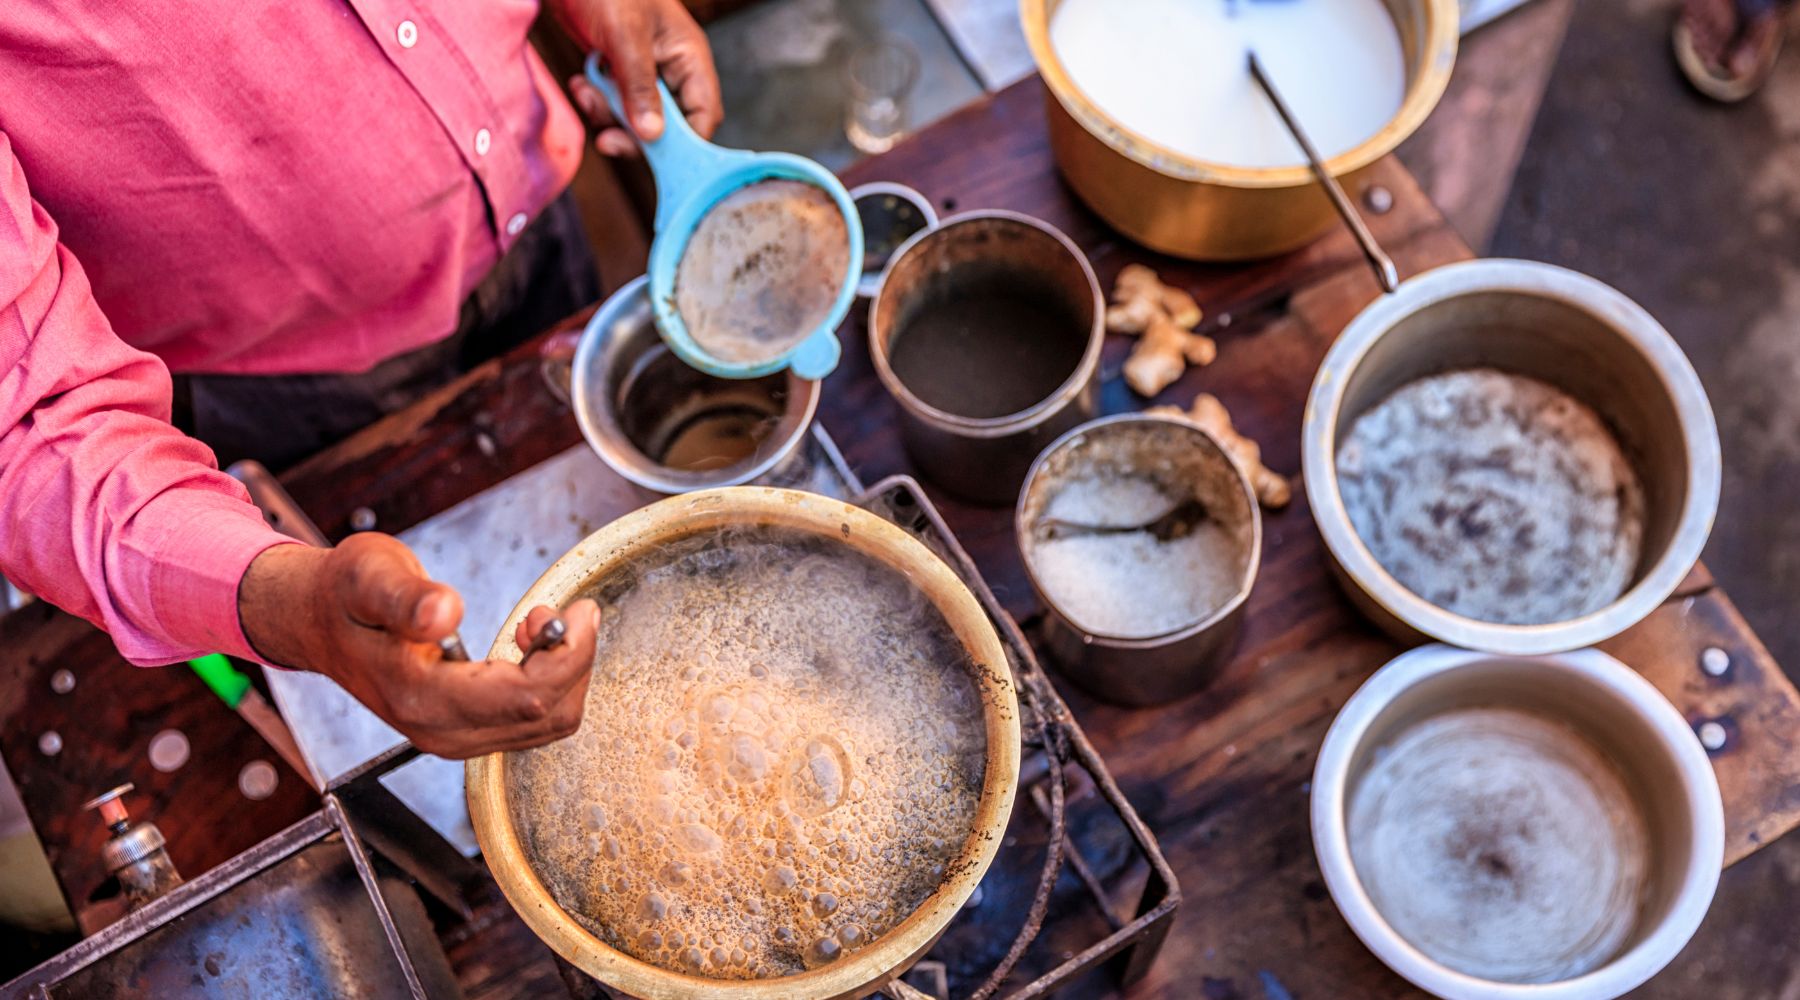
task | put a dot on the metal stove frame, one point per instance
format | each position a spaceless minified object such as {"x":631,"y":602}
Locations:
{"x":1053,"y":741}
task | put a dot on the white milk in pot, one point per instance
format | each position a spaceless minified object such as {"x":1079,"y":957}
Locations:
{"x":1176,"y":72}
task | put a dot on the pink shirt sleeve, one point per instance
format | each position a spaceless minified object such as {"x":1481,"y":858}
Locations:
{"x":106,"y":510}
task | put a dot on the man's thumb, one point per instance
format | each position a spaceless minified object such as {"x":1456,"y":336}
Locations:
{"x":390,"y":591}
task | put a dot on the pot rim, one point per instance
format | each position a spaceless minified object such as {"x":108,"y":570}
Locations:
{"x":675,"y":517}
{"x":991,"y":427}
{"x":1253,"y":560}
{"x":1429,"y":77}
{"x":1624,"y":971}
{"x":600,"y":426}
{"x":1700,"y":441}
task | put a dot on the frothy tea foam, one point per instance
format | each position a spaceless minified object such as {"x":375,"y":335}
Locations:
{"x":782,"y":754}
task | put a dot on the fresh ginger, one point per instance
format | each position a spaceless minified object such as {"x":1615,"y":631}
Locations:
{"x":1139,"y":296}
{"x":1164,"y":317}
{"x":1272,"y":488}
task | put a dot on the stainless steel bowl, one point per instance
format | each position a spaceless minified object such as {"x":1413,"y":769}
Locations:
{"x":1565,"y":329}
{"x":1607,"y":704}
{"x":634,"y":398}
{"x":1184,"y":460}
{"x":986,"y":458}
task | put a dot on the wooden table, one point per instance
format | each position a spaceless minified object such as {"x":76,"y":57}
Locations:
{"x":1221,"y":777}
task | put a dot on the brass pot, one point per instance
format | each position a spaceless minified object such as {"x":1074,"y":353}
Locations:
{"x":580,"y":571}
{"x":1192,"y":208}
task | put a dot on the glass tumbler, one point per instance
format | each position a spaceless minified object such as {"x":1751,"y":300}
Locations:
{"x":881,"y":75}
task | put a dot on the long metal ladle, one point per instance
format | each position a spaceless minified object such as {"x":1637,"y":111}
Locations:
{"x":1385,"y":272}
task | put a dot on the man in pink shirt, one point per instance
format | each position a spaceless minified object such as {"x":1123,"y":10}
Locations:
{"x":351,"y":194}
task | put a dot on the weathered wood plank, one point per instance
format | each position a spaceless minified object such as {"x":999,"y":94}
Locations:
{"x":1221,"y":777}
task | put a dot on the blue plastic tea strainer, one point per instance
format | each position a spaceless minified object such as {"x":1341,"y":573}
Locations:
{"x":692,"y":175}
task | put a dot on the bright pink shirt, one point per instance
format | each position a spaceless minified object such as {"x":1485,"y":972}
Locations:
{"x":252,"y":187}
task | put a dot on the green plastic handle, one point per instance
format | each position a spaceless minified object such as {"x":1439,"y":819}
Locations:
{"x":226,"y":680}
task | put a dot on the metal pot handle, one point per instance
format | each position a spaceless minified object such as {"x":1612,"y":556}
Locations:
{"x":1386,"y":275}
{"x":556,"y":364}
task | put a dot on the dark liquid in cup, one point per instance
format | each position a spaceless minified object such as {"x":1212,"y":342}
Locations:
{"x":987,"y":346}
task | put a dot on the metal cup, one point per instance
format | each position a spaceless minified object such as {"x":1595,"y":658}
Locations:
{"x":1184,"y":461}
{"x":640,"y":406}
{"x":985,"y":458}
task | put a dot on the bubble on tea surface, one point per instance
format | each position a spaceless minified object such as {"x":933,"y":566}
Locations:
{"x":818,"y":776}
{"x":828,"y":753}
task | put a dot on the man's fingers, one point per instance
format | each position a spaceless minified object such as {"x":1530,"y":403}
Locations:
{"x":533,"y":623}
{"x":383,"y":586}
{"x":563,"y":666}
{"x":688,"y":68}
{"x":616,"y":142}
{"x":632,"y":59}
{"x":591,"y":102}
{"x":611,"y":139}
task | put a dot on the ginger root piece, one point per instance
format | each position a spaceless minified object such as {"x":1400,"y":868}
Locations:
{"x":1165,"y":316}
{"x":1272,"y":489}
{"x":1138,"y":294}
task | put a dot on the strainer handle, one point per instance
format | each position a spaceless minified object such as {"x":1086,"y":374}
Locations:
{"x":679,"y":159}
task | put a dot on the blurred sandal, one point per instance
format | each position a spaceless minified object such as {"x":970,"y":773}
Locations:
{"x":1728,"y":48}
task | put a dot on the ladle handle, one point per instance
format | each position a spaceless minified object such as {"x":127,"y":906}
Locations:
{"x":679,"y":159}
{"x":1385,"y":272}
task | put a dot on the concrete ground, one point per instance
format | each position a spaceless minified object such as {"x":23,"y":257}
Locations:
{"x":1693,"y":209}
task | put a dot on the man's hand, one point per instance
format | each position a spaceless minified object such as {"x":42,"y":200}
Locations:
{"x":641,"y":39}
{"x":365,"y":615}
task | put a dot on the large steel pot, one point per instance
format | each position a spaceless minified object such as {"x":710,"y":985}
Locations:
{"x":1596,"y":698}
{"x":1212,"y":211}
{"x":1552,"y":324}
{"x":579,"y":573}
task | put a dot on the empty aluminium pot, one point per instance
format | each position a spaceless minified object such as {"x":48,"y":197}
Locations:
{"x":1184,"y":462}
{"x":987,"y":331}
{"x":582,"y":571}
{"x":1194,"y":208}
{"x":1603,"y":727}
{"x":662,"y":424}
{"x":1562,"y":328}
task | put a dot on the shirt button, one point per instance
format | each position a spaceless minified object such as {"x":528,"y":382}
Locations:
{"x":408,"y":34}
{"x":515,"y":224}
{"x":482,"y":142}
